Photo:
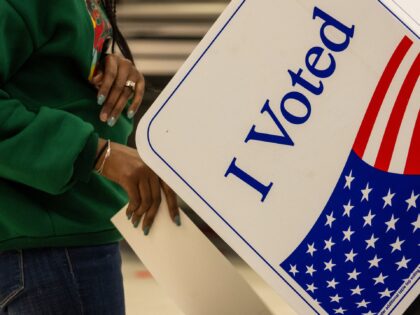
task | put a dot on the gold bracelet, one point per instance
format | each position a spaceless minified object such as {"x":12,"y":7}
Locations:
{"x":107,"y":154}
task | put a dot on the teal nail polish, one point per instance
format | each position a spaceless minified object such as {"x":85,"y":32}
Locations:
{"x":130,"y":114}
{"x":111,"y":121}
{"x":146,"y":230}
{"x":136,"y":224}
{"x":101,"y":99}
{"x":177,"y":220}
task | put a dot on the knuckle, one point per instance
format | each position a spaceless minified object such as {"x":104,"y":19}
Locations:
{"x":119,"y":85}
{"x":126,"y":61}
{"x":137,"y":214}
{"x":110,"y":72}
{"x":134,"y":205}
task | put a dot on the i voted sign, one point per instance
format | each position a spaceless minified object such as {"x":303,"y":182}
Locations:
{"x":293,"y":130}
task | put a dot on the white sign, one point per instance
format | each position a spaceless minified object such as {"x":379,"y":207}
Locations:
{"x":293,"y":130}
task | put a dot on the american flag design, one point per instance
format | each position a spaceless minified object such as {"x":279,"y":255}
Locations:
{"x":362,"y":254}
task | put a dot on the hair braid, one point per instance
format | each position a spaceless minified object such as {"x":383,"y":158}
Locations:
{"x":111,"y":11}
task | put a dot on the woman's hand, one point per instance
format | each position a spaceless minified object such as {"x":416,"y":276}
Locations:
{"x":125,"y":167}
{"x":113,"y":93}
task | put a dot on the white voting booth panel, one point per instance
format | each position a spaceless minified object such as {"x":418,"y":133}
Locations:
{"x":293,"y":130}
{"x":188,"y":267}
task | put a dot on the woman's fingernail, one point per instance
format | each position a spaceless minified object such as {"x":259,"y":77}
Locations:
{"x":136,"y":224}
{"x":130,"y":114}
{"x":146,"y":230}
{"x":177,"y":220}
{"x":101,"y":99}
{"x":111,"y":121}
{"x":104,"y":117}
{"x":129,"y":215}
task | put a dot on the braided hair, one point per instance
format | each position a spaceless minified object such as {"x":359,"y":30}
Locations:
{"x":111,"y":11}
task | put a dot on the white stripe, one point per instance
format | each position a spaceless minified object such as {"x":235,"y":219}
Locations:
{"x":399,"y":158}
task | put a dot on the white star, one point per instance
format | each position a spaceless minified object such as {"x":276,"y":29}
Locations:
{"x":348,"y":234}
{"x":397,"y":245}
{"x":416,"y":224}
{"x":332,"y":283}
{"x":339,"y":310}
{"x":371,"y":242}
{"x":330,"y":219}
{"x":310,"y":270}
{"x":369,"y":313}
{"x":362,"y":303}
{"x":368,"y":218}
{"x":357,"y":290}
{"x":329,"y":265}
{"x":316,"y":301}
{"x":388,"y":198}
{"x":311,"y":249}
{"x":412,"y":201}
{"x":391,"y":223}
{"x":293,"y":270}
{"x":386,"y":293}
{"x":366,"y":192}
{"x":311,"y":287}
{"x":374,"y":262}
{"x":350,"y":256}
{"x":353,"y":275}
{"x":336,"y":298}
{"x":380,"y":279}
{"x":329,"y":244}
{"x":403,"y":263}
{"x":349,"y":179}
{"x":347,"y":209}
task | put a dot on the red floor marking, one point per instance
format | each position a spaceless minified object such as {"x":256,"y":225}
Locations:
{"x":144,"y":274}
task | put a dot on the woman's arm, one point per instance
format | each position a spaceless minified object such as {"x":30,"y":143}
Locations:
{"x":50,"y":149}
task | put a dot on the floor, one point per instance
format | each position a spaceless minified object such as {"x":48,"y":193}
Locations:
{"x":144,"y":296}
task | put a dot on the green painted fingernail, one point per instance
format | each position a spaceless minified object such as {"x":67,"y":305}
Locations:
{"x":178,"y":220}
{"x":130,"y":114}
{"x":129,"y":215}
{"x":101,"y":99}
{"x":136,"y":224}
{"x":146,"y":230}
{"x":111,"y":121}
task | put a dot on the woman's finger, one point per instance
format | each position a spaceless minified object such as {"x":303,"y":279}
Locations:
{"x":134,"y":197}
{"x":172,"y":203}
{"x":110,"y":73}
{"x":137,"y":99}
{"x":125,"y":96}
{"x":156,"y":196}
{"x":117,"y":89}
{"x":146,"y":200}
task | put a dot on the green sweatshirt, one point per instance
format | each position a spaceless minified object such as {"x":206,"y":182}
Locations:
{"x":49,"y":127}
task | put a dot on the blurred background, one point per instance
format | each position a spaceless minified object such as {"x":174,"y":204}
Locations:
{"x":161,"y":35}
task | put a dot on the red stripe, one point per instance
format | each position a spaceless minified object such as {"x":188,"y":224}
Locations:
{"x":413,"y":159}
{"x":375,"y":104}
{"x":393,"y":127}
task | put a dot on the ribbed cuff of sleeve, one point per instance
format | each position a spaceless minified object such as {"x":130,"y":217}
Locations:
{"x":83,"y":166}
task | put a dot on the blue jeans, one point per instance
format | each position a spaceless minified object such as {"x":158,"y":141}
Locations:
{"x":60,"y":281}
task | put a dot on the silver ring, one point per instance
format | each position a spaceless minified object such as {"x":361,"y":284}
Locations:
{"x":130,"y":84}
